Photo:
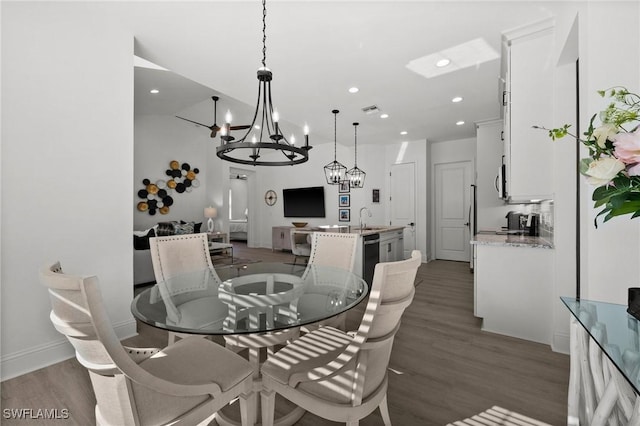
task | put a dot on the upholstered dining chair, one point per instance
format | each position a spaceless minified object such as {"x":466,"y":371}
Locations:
{"x":184,"y":383}
{"x":337,"y":250}
{"x":177,"y":254}
{"x":342,"y":376}
{"x":300,"y":245}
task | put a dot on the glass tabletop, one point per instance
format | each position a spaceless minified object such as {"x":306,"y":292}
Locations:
{"x":614,"y":330}
{"x":252,"y":298}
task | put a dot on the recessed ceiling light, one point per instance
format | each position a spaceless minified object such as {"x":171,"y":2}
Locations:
{"x":404,"y":132}
{"x":443,"y":63}
{"x":384,"y":115}
{"x":459,"y":123}
{"x":353,"y":90}
{"x":154,"y":91}
{"x":457,"y":99}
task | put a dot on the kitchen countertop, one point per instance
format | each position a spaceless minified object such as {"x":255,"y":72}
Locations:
{"x":368,"y":230}
{"x":492,"y":238}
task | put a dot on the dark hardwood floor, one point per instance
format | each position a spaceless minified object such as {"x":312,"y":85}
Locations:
{"x":443,"y":367}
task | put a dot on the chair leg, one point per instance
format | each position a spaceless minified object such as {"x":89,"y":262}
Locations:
{"x":171,"y":338}
{"x":268,"y":402}
{"x":248,"y":408}
{"x":384,"y":411}
{"x":353,"y":423}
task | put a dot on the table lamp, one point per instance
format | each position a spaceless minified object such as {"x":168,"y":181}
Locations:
{"x":210,"y":212}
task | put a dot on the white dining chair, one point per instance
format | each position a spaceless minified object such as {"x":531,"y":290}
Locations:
{"x":342,"y":376}
{"x":184,"y":383}
{"x":179,"y":254}
{"x":336,"y":250}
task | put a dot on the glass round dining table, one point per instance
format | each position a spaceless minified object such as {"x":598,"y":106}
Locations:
{"x":251,"y":298}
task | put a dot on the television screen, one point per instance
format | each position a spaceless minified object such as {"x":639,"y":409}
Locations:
{"x":304,"y":202}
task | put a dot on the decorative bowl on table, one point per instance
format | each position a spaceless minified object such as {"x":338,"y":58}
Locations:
{"x":299,"y":224}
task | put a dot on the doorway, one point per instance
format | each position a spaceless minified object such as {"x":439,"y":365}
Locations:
{"x":452,"y":210}
{"x":241,"y":205}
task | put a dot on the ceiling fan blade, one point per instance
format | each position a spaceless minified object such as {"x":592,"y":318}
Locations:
{"x":194,"y":122}
{"x":239,"y":127}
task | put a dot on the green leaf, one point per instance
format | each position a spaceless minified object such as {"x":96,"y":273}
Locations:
{"x":583,"y":166}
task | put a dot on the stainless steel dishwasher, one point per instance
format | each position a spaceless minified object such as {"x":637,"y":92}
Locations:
{"x":370,"y":255}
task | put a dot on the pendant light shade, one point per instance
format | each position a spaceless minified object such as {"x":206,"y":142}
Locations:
{"x":335,"y":172}
{"x":355,"y":175}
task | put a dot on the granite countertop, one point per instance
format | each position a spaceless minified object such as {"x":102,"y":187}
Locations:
{"x":513,"y":240}
{"x":369,"y":230}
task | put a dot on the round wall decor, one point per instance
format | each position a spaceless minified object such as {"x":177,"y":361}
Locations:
{"x":270,"y":197}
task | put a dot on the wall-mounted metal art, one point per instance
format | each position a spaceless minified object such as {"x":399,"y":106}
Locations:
{"x":156,"y":197}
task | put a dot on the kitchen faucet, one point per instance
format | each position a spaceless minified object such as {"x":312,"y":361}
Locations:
{"x":368,"y":211}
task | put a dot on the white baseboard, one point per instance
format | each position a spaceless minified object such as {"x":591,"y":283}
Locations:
{"x":40,"y":356}
{"x":561,"y":343}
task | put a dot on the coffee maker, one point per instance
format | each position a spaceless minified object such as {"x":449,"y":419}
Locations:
{"x":513,"y":221}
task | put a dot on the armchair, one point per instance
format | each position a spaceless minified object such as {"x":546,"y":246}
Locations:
{"x":343,"y":376}
{"x":184,"y":383}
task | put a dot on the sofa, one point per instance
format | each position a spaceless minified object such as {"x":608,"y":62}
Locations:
{"x":142,"y":265}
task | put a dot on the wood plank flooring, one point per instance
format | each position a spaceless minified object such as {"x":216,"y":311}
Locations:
{"x":443,"y":367}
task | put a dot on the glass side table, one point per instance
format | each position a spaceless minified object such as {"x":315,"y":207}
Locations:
{"x":604,"y":378}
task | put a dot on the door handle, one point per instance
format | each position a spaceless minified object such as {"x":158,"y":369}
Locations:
{"x":411,"y":224}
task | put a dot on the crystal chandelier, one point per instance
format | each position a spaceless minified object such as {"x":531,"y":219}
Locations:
{"x":264,"y":134}
{"x":335,"y":172}
{"x":356,"y":176}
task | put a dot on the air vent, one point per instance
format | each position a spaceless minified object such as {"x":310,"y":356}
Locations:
{"x":373,"y":109}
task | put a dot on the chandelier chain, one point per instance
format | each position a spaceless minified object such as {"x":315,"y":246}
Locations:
{"x":264,"y":33}
{"x":355,"y":141}
{"x":335,"y":136}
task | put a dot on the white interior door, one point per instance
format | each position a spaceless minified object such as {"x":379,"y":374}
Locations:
{"x":452,"y":195}
{"x":403,"y":205}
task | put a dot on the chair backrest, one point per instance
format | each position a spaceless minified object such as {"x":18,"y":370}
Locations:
{"x":392,"y":291}
{"x":334,"y":249}
{"x":299,"y":242}
{"x":176,"y":254}
{"x":71,"y":316}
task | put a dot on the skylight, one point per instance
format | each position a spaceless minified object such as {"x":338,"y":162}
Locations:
{"x":471,"y":53}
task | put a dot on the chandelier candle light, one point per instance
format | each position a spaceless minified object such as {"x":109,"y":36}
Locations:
{"x":335,"y":172}
{"x":355,"y":175}
{"x":211,"y":213}
{"x":269,"y":136}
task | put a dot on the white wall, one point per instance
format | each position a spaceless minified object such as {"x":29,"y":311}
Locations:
{"x":159,"y":140}
{"x":67,"y":170}
{"x":607,"y":58}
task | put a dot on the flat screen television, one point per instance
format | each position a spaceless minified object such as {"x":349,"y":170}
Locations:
{"x":304,"y":202}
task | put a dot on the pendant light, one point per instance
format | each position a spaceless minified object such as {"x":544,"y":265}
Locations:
{"x":249,"y":149}
{"x":334,"y":171}
{"x":355,"y":175}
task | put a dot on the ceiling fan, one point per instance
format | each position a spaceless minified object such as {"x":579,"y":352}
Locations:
{"x":214,"y":127}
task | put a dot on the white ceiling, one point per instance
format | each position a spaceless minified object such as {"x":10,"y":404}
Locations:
{"x":317,"y":50}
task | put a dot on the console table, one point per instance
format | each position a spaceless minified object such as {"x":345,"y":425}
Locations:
{"x":604,"y":379}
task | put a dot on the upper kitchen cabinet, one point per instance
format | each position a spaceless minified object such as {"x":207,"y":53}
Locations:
{"x":527,"y":101}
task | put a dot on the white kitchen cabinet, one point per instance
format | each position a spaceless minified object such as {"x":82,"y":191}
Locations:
{"x":490,"y":209}
{"x":514,"y":291}
{"x":391,"y":246}
{"x":528,"y":102}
